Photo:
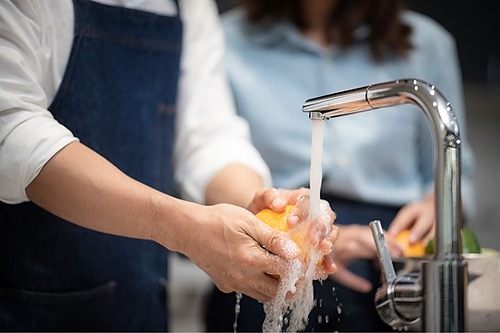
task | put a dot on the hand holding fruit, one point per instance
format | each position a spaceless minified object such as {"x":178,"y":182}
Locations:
{"x":315,"y":238}
{"x":417,"y":221}
{"x":470,"y":244}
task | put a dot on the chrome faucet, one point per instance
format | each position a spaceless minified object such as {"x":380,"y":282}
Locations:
{"x":443,"y":279}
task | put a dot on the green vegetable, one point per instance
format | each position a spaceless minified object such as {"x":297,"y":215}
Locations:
{"x":429,"y":249}
{"x":470,"y":244}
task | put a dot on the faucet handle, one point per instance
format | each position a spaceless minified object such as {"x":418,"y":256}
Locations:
{"x":384,"y":257}
{"x":399,"y":300}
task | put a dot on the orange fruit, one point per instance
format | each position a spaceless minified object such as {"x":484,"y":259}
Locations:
{"x":278,"y":221}
{"x":274,"y":219}
{"x":410,"y":250}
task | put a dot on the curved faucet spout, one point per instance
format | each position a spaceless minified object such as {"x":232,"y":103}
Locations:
{"x":444,"y":280}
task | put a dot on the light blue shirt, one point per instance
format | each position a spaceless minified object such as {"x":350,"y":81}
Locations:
{"x":383,"y":156}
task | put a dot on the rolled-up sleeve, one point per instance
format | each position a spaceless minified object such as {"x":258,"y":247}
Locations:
{"x":29,"y":134}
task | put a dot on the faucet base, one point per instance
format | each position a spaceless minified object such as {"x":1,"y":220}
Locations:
{"x":444,"y":282}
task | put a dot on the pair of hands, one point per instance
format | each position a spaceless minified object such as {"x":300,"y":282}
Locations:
{"x":223,"y":240}
{"x":241,"y":253}
{"x":356,"y":241}
{"x":231,"y":251}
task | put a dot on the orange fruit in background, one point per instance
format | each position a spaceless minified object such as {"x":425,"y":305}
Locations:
{"x":410,"y":250}
{"x":274,"y":219}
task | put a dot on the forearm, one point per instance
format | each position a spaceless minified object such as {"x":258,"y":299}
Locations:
{"x":235,"y":184}
{"x":82,"y":187}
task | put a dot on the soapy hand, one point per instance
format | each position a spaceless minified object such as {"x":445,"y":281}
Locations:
{"x":314,"y":237}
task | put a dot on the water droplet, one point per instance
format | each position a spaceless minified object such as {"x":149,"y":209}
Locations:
{"x":237,"y":309}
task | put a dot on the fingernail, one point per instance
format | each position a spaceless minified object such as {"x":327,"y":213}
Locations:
{"x":293,"y":220}
{"x":278,"y":202}
{"x":413,"y":238}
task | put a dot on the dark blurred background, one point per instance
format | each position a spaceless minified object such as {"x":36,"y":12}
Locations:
{"x":475,"y":26}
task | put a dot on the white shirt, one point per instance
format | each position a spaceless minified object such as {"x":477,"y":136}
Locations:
{"x":35,"y":41}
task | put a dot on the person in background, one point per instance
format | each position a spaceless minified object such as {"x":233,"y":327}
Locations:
{"x":107,"y":110}
{"x":376,"y":165}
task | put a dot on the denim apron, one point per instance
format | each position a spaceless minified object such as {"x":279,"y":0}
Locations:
{"x":118,"y":96}
{"x":338,"y":309}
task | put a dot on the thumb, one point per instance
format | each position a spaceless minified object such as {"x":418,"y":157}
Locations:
{"x":277,"y":242}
